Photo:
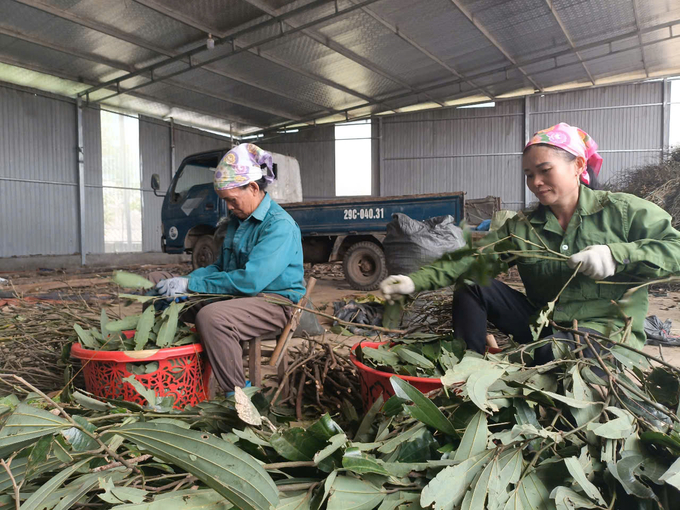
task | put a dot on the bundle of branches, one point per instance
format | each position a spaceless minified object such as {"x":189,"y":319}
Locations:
{"x":33,"y":337}
{"x":657,"y":182}
{"x":320,"y":380}
{"x":577,"y":433}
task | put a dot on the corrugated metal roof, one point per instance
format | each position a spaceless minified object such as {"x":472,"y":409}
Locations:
{"x":348,"y":58}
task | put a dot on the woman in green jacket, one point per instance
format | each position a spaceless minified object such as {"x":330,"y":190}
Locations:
{"x":615,"y":237}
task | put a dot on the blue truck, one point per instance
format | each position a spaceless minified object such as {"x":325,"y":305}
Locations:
{"x":347,"y":229}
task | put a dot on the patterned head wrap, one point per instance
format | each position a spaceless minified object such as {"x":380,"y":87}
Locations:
{"x":242,"y":165}
{"x":573,"y":140}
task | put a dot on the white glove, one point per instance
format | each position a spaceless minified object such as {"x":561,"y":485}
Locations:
{"x":173,"y":286}
{"x":598,"y":262}
{"x":397,"y":284}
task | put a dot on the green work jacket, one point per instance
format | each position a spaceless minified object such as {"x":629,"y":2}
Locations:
{"x":643,"y":243}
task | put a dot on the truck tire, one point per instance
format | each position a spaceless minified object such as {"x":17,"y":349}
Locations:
{"x":204,"y":252}
{"x":364,"y":266}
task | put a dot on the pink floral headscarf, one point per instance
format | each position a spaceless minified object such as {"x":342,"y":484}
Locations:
{"x":242,"y":165}
{"x":573,"y":140}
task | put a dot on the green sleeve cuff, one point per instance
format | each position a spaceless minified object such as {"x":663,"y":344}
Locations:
{"x":622,"y":253}
{"x":420,"y":281}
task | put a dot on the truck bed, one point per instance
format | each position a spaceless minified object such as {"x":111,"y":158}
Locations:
{"x":371,"y":214}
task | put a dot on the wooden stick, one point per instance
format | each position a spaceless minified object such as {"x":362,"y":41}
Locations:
{"x":288,"y":331}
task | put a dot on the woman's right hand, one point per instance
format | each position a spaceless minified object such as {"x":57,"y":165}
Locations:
{"x":397,"y":285}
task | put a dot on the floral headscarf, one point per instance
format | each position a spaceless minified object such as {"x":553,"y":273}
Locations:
{"x":243,"y":165}
{"x":573,"y":140}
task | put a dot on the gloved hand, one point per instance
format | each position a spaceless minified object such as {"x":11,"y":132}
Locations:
{"x":173,"y":286}
{"x":397,"y":285}
{"x":598,"y":262}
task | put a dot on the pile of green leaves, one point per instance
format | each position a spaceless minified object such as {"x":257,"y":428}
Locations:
{"x":420,"y":355}
{"x":559,"y":436}
{"x":153,"y":329}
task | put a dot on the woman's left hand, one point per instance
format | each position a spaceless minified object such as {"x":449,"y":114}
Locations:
{"x":598,"y":262}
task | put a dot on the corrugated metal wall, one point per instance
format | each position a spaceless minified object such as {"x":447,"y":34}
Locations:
{"x":38,"y":174}
{"x":154,"y":147}
{"x":315,"y":151}
{"x":478,"y":150}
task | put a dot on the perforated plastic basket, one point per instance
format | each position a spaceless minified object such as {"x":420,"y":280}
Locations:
{"x":183,"y":373}
{"x":375,"y":383}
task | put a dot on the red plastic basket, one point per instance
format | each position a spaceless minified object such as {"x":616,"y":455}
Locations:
{"x":375,"y":383}
{"x":182,"y":373}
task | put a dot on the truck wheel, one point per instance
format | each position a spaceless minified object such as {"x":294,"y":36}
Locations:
{"x":204,"y":252}
{"x":364,"y":266}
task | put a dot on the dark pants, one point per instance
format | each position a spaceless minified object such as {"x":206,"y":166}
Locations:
{"x":507,"y":309}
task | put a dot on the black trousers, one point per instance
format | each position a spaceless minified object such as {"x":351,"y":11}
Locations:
{"x":507,"y":309}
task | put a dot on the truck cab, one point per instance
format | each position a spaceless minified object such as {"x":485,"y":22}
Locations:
{"x":192,"y":211}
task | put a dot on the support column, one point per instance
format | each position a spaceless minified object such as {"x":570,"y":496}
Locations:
{"x":526,"y":194}
{"x":81,"y":181}
{"x":665,"y":122}
{"x":381,"y":159}
{"x":173,"y":166}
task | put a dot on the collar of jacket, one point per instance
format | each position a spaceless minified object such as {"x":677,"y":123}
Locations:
{"x":589,"y":202}
{"x":263,"y":208}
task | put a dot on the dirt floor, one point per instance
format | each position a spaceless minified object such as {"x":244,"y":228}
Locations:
{"x":93,"y":286}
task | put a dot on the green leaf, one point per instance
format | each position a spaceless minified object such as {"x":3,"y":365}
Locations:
{"x":566,"y":400}
{"x":166,"y":334}
{"x":396,"y":499}
{"x":124,"y":324}
{"x":418,"y":448}
{"x":336,"y":442}
{"x":469,"y":364}
{"x":624,"y":472}
{"x":394,"y":443}
{"x":448,"y":488}
{"x":91,"y":403}
{"x":39,"y":453}
{"x":474,"y":438}
{"x":362,"y":433}
{"x":542,"y":320}
{"x":423,"y":409}
{"x":476,"y":497}
{"x":619,"y":428}
{"x":672,"y":475}
{"x":630,"y":359}
{"x":664,"y":386}
{"x":79,"y":441}
{"x":354,"y":494}
{"x":477,"y":387}
{"x":294,"y":501}
{"x":414,"y":358}
{"x":131,"y":280}
{"x":144,"y":328}
{"x":148,"y":394}
{"x":380,"y":356}
{"x":577,"y":473}
{"x":188,"y":499}
{"x":360,"y":463}
{"x":660,"y":439}
{"x":135,"y":297}
{"x":77,"y":489}
{"x":217,"y":463}
{"x":117,"y":495}
{"x":392,"y":315}
{"x":324,"y":428}
{"x":25,"y":426}
{"x":530,"y":494}
{"x":37,"y":499}
{"x":583,"y":393}
{"x":86,"y":337}
{"x":567,"y":499}
{"x":18,"y":468}
{"x":320,"y":497}
{"x":296,"y":444}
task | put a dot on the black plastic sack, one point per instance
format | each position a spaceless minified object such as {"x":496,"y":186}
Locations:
{"x":411,"y":244}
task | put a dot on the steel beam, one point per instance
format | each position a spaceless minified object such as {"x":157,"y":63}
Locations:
{"x":123,"y":36}
{"x":124,"y":67}
{"x":234,"y":51}
{"x":534,"y":61}
{"x":637,"y":27}
{"x":202,"y":47}
{"x":569,"y":40}
{"x":81,"y":182}
{"x":459,"y":5}
{"x":412,"y":42}
{"x":182,"y":18}
{"x":340,"y":49}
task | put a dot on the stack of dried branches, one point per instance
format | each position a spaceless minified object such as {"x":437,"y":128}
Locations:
{"x":658,"y":182}
{"x":33,"y":336}
{"x":319,"y":379}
